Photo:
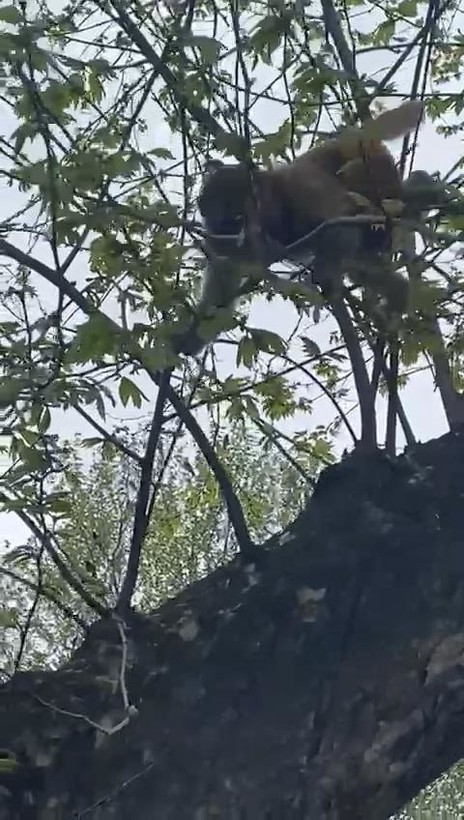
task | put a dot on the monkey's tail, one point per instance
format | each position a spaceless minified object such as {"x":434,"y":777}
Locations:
{"x":387,"y":126}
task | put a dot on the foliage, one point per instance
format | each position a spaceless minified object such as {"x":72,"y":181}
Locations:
{"x":442,"y":799}
{"x":189,"y":535}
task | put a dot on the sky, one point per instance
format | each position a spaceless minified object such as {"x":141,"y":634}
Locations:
{"x":421,"y":402}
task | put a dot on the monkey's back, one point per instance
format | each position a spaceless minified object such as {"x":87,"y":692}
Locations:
{"x":316,"y":186}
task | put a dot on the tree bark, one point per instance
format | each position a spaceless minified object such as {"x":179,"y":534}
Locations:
{"x":324,"y":681}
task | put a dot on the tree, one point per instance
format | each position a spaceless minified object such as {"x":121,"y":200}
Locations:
{"x":316,"y":673}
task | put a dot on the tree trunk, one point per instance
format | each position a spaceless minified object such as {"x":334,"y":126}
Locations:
{"x":323,"y":681}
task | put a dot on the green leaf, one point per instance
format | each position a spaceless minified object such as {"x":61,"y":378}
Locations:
{"x":128,"y":391}
{"x":161,"y":152}
{"x":267,"y":341}
{"x":275,"y":143}
{"x":44,"y":420}
{"x":61,"y":504}
{"x":9,"y":391}
{"x":209,"y":47}
{"x":232,"y":144}
{"x":8,"y":764}
{"x":246,"y":351}
{"x":310,"y":346}
{"x":94,"y":441}
{"x":10,"y":14}
{"x":384,"y":32}
{"x":24,"y":131}
{"x":268,"y":35}
{"x":407,"y":8}
{"x":94,"y":339}
{"x":8,"y":619}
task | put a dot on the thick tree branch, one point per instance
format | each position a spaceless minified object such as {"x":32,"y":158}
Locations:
{"x":263,"y":693}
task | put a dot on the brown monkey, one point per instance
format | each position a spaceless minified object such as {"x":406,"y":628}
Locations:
{"x":293,"y":198}
{"x":346,"y":175}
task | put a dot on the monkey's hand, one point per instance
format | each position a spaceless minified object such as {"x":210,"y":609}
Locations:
{"x":203,"y":330}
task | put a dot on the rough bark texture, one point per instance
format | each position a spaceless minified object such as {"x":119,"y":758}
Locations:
{"x":324,"y":681}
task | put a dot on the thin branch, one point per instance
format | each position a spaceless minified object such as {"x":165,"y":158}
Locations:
{"x":329,"y":395}
{"x":380,"y":366}
{"x":109,"y":437}
{"x":46,"y":593}
{"x":392,"y":404}
{"x":366,"y":395}
{"x":65,"y":572}
{"x":233,"y":506}
{"x":143,"y":497}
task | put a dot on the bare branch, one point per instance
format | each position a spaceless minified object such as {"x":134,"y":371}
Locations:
{"x":107,"y":436}
{"x":143,"y":497}
{"x":453,"y":402}
{"x":366,"y":394}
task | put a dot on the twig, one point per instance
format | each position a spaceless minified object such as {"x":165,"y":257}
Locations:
{"x":110,"y":437}
{"x":329,"y":395}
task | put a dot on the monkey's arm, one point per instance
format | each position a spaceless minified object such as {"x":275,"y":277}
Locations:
{"x":220,"y":289}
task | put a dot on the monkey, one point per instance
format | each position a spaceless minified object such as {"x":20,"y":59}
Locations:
{"x":252,"y":217}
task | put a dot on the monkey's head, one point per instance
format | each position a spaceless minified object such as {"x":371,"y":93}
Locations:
{"x":223,"y":197}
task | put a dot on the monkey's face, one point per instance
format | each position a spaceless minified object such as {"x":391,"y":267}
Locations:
{"x":223,"y":198}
